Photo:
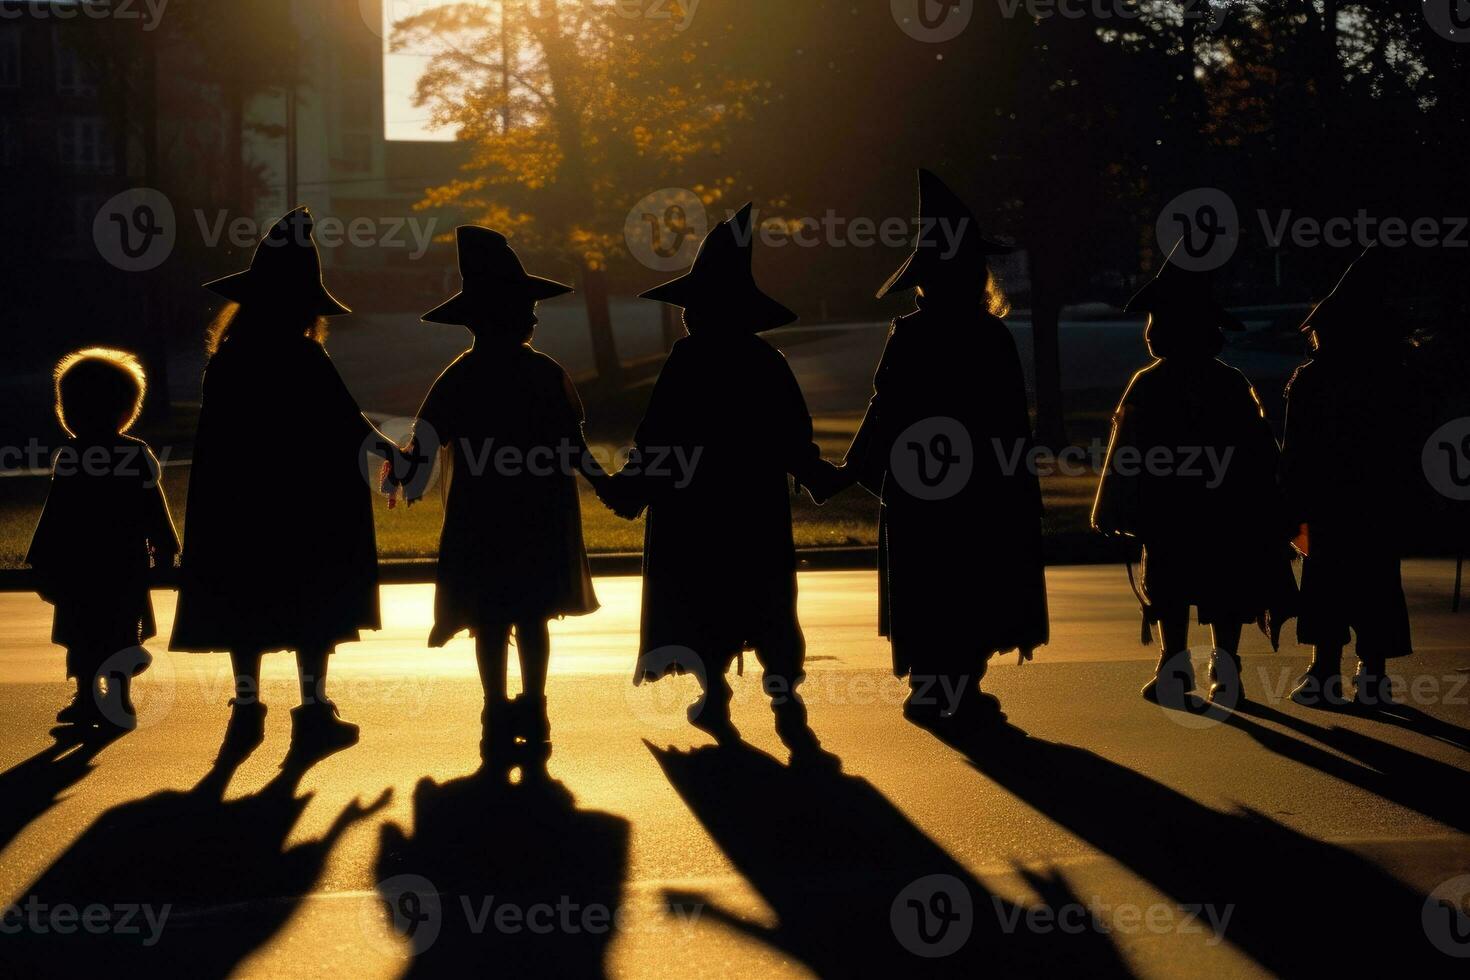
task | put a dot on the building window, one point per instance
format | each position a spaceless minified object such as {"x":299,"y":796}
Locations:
{"x":9,"y":57}
{"x":73,"y":76}
{"x":86,"y":146}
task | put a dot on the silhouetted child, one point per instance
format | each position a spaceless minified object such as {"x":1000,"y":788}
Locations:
{"x":1191,"y":473}
{"x":105,"y":524}
{"x":726,"y":430}
{"x":511,"y":555}
{"x":950,"y":377}
{"x":1351,"y":453}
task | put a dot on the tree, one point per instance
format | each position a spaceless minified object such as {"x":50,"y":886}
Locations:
{"x":570,"y":109}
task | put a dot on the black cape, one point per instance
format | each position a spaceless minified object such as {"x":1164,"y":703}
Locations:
{"x":725,"y":426}
{"x":512,"y":546}
{"x":961,"y":577}
{"x":1208,"y":508}
{"x":279,"y":546}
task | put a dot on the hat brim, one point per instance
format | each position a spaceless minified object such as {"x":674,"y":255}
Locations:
{"x":1324,"y":313}
{"x":906,"y":277}
{"x":1143,"y":302}
{"x":912,"y":273}
{"x":754,"y":306}
{"x":1310,"y":323}
{"x":245,"y":287}
{"x":463,"y":307}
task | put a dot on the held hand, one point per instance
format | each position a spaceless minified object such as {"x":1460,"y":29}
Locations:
{"x":825,"y":481}
{"x":409,"y":470}
{"x":620,"y":497}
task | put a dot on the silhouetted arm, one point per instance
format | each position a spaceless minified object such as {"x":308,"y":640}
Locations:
{"x":163,"y":539}
{"x":1300,"y":434}
{"x":1117,"y":510}
{"x":866,"y":462}
{"x":800,"y":454}
{"x":47,"y":552}
{"x":1014,"y":415}
{"x":584,"y":460}
{"x":343,"y":412}
{"x":632,"y":489}
{"x":412,"y":464}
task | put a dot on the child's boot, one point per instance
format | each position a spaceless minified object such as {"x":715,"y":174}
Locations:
{"x":497,"y":736}
{"x":1321,"y":685}
{"x":82,"y":711}
{"x":530,"y":724}
{"x":246,"y":728}
{"x":117,"y":704}
{"x":796,"y":734}
{"x":926,"y":698}
{"x":317,"y":730}
{"x":711,"y":713}
{"x":1173,"y":680}
{"x":1374,"y":686}
{"x":1226,"y":687}
{"x":978,"y":708}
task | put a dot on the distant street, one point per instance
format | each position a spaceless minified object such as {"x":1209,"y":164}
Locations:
{"x":721,"y":864}
{"x":390,"y":361}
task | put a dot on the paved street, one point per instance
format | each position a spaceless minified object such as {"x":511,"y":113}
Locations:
{"x":1115,"y":839}
{"x":833,"y":362}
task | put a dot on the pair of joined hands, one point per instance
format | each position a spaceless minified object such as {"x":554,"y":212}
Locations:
{"x":826,"y":480}
{"x":621,"y":495}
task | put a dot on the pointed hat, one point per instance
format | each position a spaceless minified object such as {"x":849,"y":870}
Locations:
{"x":492,"y":274}
{"x":721,"y":274}
{"x":949,"y":238}
{"x":286,"y":268}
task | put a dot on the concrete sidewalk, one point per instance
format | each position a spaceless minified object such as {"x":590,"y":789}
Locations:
{"x":1112,"y":837}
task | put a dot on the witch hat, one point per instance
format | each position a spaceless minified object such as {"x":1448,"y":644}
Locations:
{"x":1357,"y":295}
{"x":942,"y":217}
{"x":1183,"y":291}
{"x":721,"y":274}
{"x":492,"y":274}
{"x":286,"y":269}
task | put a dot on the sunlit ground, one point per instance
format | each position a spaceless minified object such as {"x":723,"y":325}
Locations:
{"x":419,"y":711}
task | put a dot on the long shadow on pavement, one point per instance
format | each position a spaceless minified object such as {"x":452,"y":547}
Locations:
{"x":32,"y":787}
{"x":852,"y":881}
{"x":503,"y":880}
{"x":189,"y":883}
{"x":1435,"y":789}
{"x":1422,"y":723}
{"x":1301,"y":907}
